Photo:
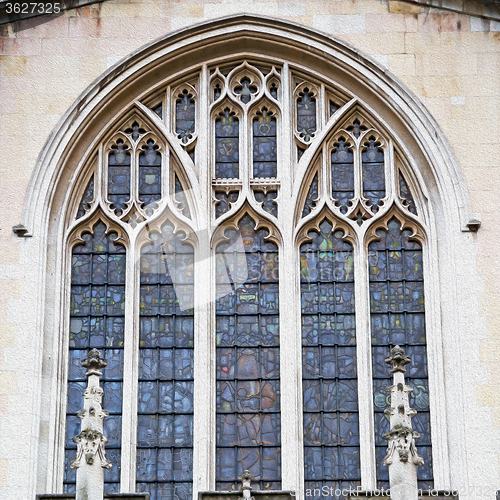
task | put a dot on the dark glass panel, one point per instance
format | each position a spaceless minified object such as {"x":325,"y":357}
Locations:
{"x":150,"y":176}
{"x":185,"y":116}
{"x":224,"y":202}
{"x":306,"y":115}
{"x":312,"y":197}
{"x":245,"y":90}
{"x":329,"y":370}
{"x":342,"y":174}
{"x":268,"y":201}
{"x":273,"y":90}
{"x":87,"y":198}
{"x":373,"y":169}
{"x":166,"y":339}
{"x":181,"y":198}
{"x":398,"y":318}
{"x":333,"y":107}
{"x":227,"y":143}
{"x":97,"y":317}
{"x":159,"y":110}
{"x":405,"y":194}
{"x":248,"y":386}
{"x":119,"y":176}
{"x":264,"y":145}
{"x":135,"y":131}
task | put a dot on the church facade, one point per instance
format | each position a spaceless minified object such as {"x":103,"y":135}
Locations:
{"x":244,"y":208}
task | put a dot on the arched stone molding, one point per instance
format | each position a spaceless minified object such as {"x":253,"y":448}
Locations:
{"x":65,"y":157}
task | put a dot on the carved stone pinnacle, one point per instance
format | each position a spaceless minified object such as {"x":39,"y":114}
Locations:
{"x":94,"y":363}
{"x":398,"y":359}
{"x":246,"y":479}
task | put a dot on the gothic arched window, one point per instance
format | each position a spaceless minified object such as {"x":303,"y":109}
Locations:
{"x":247,"y":243}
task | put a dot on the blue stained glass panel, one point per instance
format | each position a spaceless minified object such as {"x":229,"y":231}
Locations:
{"x":373,"y":170}
{"x":306,"y":115}
{"x":329,"y":369}
{"x":185,"y":116}
{"x":247,"y":355}
{"x":97,"y":316}
{"x":227,"y":144}
{"x":150,"y":176}
{"x":166,"y":340}
{"x":264,"y":145}
{"x":312,"y":197}
{"x":342,"y":174}
{"x":119,"y":176}
{"x":87,"y":198}
{"x":398,"y":318}
{"x":405,"y":194}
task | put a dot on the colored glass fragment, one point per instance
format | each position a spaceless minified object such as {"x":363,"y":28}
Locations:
{"x":405,"y":194}
{"x":264,"y":145}
{"x":342,"y":174}
{"x":87,"y":198}
{"x":373,"y":169}
{"x":306,"y":115}
{"x":312,"y":197}
{"x":119,"y":176}
{"x":268,"y":201}
{"x":185,"y":116}
{"x":227,"y":143}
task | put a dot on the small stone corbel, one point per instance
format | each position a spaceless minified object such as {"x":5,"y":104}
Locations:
{"x":90,"y":444}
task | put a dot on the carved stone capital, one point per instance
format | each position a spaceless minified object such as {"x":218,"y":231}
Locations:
{"x":246,"y":478}
{"x":94,"y":363}
{"x":90,"y":446}
{"x":398,"y":359}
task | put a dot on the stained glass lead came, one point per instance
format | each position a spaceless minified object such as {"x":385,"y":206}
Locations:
{"x":119,"y":176}
{"x":185,"y":116}
{"x":227,"y":145}
{"x":87,"y":198}
{"x":398,"y":318}
{"x":342,"y":174}
{"x":166,"y":339}
{"x":97,"y":320}
{"x":306,"y":115}
{"x":373,"y":173}
{"x":248,"y":386}
{"x":330,"y":396}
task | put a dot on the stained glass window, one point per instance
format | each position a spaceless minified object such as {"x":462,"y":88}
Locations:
{"x":268,"y":201}
{"x":97,"y":314}
{"x":372,"y":160}
{"x":398,"y":318}
{"x":180,"y":197}
{"x":405,"y":193}
{"x":330,"y":387}
{"x":342,"y":174}
{"x":227,"y":144}
{"x":150,"y":176}
{"x":165,"y":406}
{"x":224,"y":202}
{"x":185,"y":116}
{"x":306,"y":115}
{"x":312,"y":197}
{"x":248,"y":385}
{"x":119,"y":176}
{"x":264,"y":145}
{"x":86,"y":200}
{"x":245,"y":90}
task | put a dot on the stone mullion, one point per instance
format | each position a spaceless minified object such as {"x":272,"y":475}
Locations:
{"x":364,"y":366}
{"x":290,"y":320}
{"x":204,"y":321}
{"x":130,"y":375}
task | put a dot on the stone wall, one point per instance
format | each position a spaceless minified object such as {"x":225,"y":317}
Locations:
{"x":450,"y":61}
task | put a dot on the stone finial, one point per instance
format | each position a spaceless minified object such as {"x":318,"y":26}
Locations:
{"x":94,"y":363}
{"x":398,"y":359}
{"x":246,"y":478}
{"x":402,"y":456}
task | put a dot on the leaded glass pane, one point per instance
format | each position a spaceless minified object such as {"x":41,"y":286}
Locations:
{"x":181,"y":198}
{"x":224,"y":202}
{"x":264,"y":145}
{"x":150,"y":176}
{"x":268,"y":201}
{"x":166,"y":338}
{"x":306,"y":115}
{"x":97,"y":317}
{"x":185,"y":116}
{"x":87,"y":198}
{"x":248,"y":385}
{"x":372,"y":160}
{"x":342,"y":174}
{"x":405,"y":194}
{"x":398,"y":318}
{"x":119,"y":176}
{"x":329,"y":370}
{"x":312,"y":197}
{"x":227,"y":144}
